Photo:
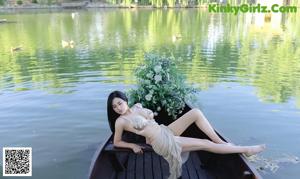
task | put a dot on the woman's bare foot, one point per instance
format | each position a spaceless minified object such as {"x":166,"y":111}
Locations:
{"x":255,"y":149}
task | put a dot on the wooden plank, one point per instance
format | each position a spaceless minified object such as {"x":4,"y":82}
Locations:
{"x":157,"y":172}
{"x":113,"y":176}
{"x":225,"y":166}
{"x":164,"y":167}
{"x":115,"y":162}
{"x":121,"y":175}
{"x":148,"y":165}
{"x":139,"y":166}
{"x":197,"y":163}
{"x":184,"y":174}
{"x":130,"y":172}
{"x":191,"y":169}
{"x":98,"y":160}
{"x":123,"y":158}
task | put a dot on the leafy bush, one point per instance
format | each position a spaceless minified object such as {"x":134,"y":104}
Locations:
{"x":2,"y":2}
{"x":160,"y":86}
{"x":34,"y":1}
{"x":19,"y":2}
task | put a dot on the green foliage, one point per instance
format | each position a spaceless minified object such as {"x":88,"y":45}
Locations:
{"x":19,"y":2}
{"x":2,"y":2}
{"x":34,"y":1}
{"x":181,"y":3}
{"x":46,"y":2}
{"x":127,"y":2}
{"x":161,"y":86}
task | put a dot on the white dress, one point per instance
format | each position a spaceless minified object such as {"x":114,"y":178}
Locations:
{"x":165,"y":145}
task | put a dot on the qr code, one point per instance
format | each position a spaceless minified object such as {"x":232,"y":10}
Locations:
{"x":17,"y":161}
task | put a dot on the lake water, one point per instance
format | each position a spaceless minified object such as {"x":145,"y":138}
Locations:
{"x":53,"y":92}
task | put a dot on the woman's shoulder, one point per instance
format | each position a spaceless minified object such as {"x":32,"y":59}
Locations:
{"x":120,"y":121}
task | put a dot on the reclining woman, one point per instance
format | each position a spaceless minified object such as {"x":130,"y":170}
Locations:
{"x":166,"y":140}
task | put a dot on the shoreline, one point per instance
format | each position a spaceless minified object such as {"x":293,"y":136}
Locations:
{"x":72,"y":6}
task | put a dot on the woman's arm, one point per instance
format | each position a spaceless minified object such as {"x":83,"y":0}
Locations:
{"x":119,"y":127}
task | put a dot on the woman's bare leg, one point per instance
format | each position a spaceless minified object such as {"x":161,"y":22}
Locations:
{"x":195,"y":115}
{"x":193,"y":144}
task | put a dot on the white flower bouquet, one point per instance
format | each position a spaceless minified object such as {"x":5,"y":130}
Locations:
{"x":160,"y":86}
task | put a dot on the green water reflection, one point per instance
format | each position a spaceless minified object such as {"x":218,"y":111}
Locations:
{"x":250,"y":49}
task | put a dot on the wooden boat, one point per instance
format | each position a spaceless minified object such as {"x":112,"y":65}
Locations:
{"x":110,"y":162}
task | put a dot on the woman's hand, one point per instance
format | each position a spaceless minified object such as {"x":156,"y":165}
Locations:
{"x":137,"y":149}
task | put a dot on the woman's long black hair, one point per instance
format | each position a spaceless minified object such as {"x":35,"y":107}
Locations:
{"x":111,"y":114}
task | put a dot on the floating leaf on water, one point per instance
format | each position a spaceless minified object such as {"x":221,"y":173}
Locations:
{"x":268,"y":164}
